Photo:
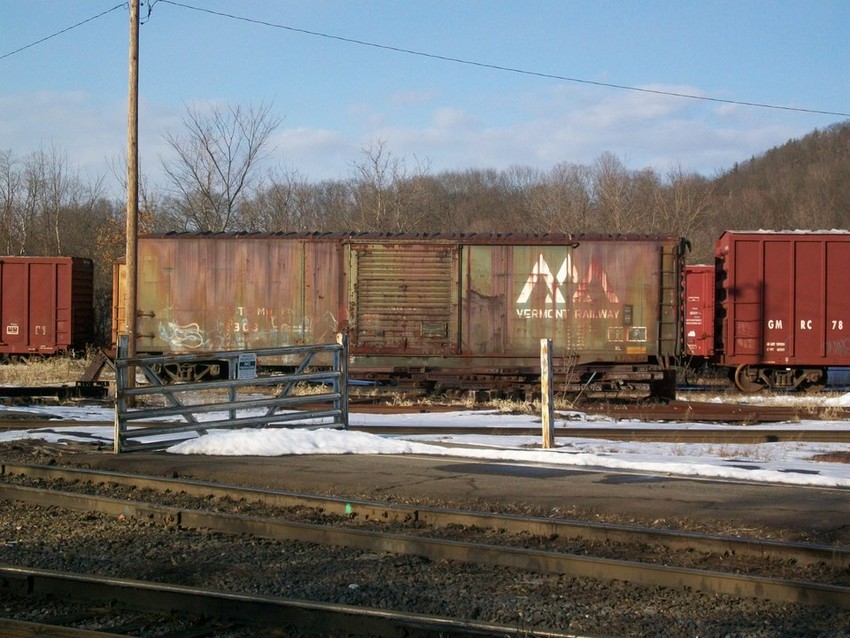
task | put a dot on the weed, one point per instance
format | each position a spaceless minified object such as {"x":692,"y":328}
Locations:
{"x":35,"y":371}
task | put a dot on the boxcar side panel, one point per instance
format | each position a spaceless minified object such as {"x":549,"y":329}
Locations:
{"x":744,"y":300}
{"x":14,"y":307}
{"x":45,"y":304}
{"x":837,"y":324}
{"x":809,"y":301}
{"x":777,"y":268}
{"x":203,"y":294}
{"x":47,"y":311}
{"x":785,"y":298}
{"x":599,"y":300}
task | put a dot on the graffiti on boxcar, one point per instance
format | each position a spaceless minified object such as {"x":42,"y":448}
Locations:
{"x":180,"y":336}
{"x":256,"y":327}
{"x":267,"y":323}
{"x":838,"y":347}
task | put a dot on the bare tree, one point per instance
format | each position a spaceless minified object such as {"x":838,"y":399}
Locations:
{"x":685,"y":207}
{"x":562,"y":201}
{"x":612,"y":195}
{"x":285,"y":204}
{"x":38,"y":194}
{"x":10,"y":194}
{"x":384,"y":193}
{"x":216,"y":163}
{"x":332,"y":203}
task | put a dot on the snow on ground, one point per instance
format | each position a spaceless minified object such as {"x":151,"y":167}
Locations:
{"x":792,"y":463}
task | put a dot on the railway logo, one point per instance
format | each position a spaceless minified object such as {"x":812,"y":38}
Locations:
{"x":542,"y":271}
{"x":556,"y":293}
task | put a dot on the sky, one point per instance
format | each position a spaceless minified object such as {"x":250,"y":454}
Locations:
{"x":787,"y":463}
{"x":441,"y":84}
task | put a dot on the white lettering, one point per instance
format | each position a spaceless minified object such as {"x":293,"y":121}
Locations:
{"x":774,"y":324}
{"x":541,"y":313}
{"x":805,"y":324}
{"x":563,"y":313}
{"x":599,"y":313}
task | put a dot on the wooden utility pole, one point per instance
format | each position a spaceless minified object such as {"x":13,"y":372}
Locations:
{"x":132,"y":181}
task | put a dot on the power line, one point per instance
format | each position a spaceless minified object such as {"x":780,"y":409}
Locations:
{"x":65,"y":30}
{"x":434,"y":56}
{"x":508,"y":69}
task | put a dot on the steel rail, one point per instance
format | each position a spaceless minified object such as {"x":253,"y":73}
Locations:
{"x":685,"y":434}
{"x":251,"y":609}
{"x":10,"y":628}
{"x":692,"y":434}
{"x":604,"y":569}
{"x":833,"y":557}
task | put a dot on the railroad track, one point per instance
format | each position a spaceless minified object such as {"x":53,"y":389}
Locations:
{"x":685,"y":434}
{"x":690,"y":414}
{"x":338,"y":528}
{"x":204,"y":612}
{"x":701,"y":411}
{"x":690,"y":434}
{"x":677,"y":410}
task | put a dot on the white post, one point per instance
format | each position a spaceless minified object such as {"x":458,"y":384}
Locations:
{"x":547,"y":400}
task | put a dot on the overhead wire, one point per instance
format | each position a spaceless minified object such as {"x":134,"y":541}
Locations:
{"x":444,"y":58}
{"x":497,"y":67}
{"x":65,"y":30}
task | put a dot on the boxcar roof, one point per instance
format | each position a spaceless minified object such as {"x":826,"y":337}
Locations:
{"x":798,"y":231}
{"x":469,"y":238}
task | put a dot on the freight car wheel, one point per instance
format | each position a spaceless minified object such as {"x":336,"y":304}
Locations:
{"x":746,"y":379}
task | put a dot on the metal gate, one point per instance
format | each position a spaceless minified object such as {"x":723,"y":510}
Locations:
{"x":231,"y":403}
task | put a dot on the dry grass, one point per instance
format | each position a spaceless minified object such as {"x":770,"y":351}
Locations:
{"x":833,"y":457}
{"x":42,"y":371}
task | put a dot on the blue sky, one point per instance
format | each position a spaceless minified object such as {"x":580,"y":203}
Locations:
{"x":336,"y":98}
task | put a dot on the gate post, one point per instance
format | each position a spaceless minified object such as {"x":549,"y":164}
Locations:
{"x":121,"y":375}
{"x":547,"y":401}
{"x":341,"y":365}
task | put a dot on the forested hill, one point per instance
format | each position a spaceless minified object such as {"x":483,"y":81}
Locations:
{"x":804,"y":183}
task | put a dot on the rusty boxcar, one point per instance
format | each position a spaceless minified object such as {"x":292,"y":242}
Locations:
{"x":46,"y":305}
{"x":464,"y":311}
{"x":782,"y":314}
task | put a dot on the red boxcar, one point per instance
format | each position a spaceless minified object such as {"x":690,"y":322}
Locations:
{"x":45,"y":304}
{"x":699,"y":311}
{"x":783,"y":306}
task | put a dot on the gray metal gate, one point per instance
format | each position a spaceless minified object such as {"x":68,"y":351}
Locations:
{"x":238,"y":396}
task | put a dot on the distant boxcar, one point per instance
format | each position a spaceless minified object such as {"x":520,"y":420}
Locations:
{"x":698,"y":314}
{"x":782,"y":313}
{"x":45,"y":305}
{"x":437,"y":310}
